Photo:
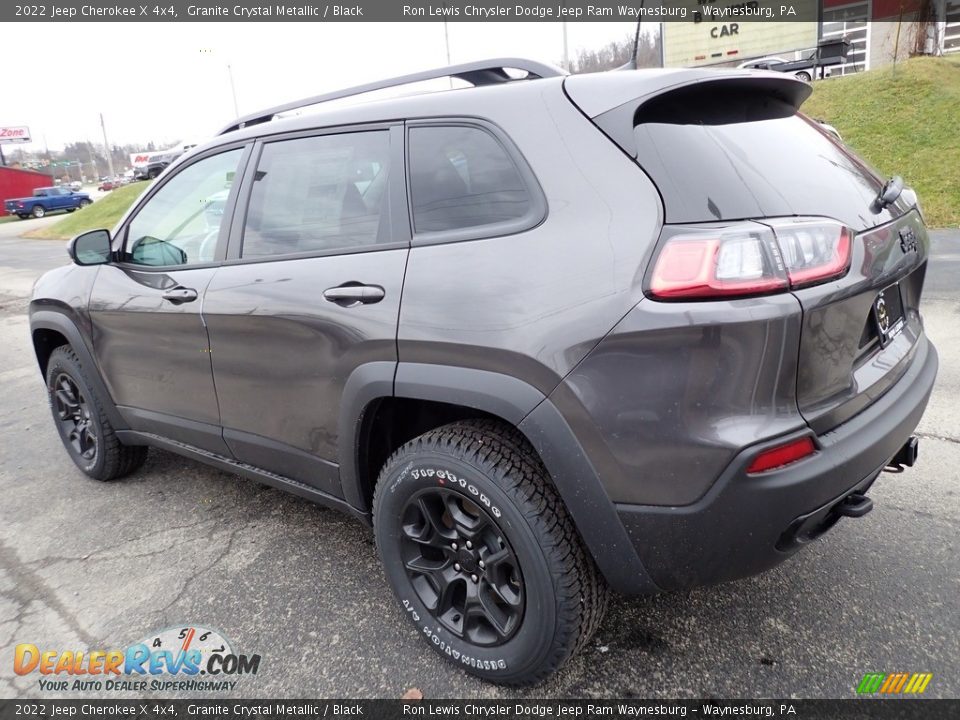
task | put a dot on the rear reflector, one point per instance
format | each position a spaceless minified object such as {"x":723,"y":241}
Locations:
{"x":782,"y":455}
{"x":748,"y":258}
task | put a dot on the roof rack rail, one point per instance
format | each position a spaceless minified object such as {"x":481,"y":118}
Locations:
{"x":480,"y":72}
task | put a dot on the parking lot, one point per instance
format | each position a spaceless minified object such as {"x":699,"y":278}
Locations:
{"x":90,"y":565}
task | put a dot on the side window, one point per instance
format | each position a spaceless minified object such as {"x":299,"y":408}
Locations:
{"x":463,"y":177}
{"x":180,"y":224}
{"x":319,"y":194}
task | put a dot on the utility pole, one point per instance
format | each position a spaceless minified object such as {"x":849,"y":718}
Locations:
{"x":566,"y":51}
{"x":233,"y":90}
{"x":93,"y":162}
{"x":3,"y":160}
{"x":106,"y":145}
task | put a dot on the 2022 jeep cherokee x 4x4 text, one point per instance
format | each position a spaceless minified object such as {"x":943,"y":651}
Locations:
{"x":639,"y":330}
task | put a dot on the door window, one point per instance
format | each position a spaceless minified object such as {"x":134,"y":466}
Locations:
{"x":320,"y":194}
{"x":180,"y":224}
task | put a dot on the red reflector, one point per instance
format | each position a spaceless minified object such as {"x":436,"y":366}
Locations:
{"x":782,"y":455}
{"x":700,"y":57}
{"x":732,"y":52}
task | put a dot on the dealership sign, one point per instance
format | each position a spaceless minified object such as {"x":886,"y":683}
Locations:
{"x":15,"y":134}
{"x":732,"y":31}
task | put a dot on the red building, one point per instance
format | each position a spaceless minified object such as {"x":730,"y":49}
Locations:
{"x":15,"y":183}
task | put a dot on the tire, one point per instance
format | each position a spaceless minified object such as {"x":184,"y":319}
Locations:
{"x":152,"y":175}
{"x":70,"y":210}
{"x":38,"y":211}
{"x":804,"y":76}
{"x":88,"y":436}
{"x":22,"y":216}
{"x":85,"y":203}
{"x":480,"y":481}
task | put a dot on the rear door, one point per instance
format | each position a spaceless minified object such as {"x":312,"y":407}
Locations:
{"x":309,"y":293}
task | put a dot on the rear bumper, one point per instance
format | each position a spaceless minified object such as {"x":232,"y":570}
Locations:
{"x":747,"y":524}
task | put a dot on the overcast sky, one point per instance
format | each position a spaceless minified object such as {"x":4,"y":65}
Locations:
{"x":166,"y":82}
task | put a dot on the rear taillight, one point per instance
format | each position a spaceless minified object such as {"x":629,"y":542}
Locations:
{"x":781,"y":455}
{"x":749,"y":258}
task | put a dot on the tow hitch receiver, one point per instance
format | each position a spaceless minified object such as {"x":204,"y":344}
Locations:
{"x":906,"y":456}
{"x":855,"y":505}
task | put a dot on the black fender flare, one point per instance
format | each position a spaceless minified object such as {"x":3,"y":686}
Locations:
{"x":527,"y":409}
{"x":52,"y":320}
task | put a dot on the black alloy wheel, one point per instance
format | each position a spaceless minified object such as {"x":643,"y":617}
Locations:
{"x":462,"y":567}
{"x":73,"y":413}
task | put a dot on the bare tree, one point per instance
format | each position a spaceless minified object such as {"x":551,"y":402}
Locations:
{"x":617,"y":53}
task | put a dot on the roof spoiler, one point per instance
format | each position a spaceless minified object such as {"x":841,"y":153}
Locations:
{"x":478,"y":73}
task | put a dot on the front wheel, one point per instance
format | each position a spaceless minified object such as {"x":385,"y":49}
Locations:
{"x":83,"y":425}
{"x":84,"y":203}
{"x":805,"y":76}
{"x":38,"y":211}
{"x":482,"y":555}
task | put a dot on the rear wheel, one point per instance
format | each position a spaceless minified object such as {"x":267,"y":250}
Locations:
{"x":38,"y":211}
{"x":22,"y":216}
{"x":83,"y":426}
{"x":482,"y":554}
{"x":70,"y":210}
{"x":805,"y":76}
{"x":84,"y":203}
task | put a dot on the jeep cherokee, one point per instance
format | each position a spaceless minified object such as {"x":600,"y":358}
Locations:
{"x":548,"y":335}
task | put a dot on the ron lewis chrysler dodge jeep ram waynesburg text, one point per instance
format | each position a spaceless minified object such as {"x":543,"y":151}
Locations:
{"x":639,"y":330}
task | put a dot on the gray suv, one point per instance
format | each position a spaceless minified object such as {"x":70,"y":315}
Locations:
{"x":549,"y":335}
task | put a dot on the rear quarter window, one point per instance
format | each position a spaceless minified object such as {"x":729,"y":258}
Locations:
{"x":465,"y":182}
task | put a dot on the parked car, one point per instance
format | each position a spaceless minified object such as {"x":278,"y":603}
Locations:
{"x":800,"y":69}
{"x":107,"y":185}
{"x":48,"y":199}
{"x":640,"y":330}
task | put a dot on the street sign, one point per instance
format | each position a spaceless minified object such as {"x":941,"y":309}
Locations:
{"x":15,"y":134}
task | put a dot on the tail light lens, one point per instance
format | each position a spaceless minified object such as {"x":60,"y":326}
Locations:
{"x":749,"y":258}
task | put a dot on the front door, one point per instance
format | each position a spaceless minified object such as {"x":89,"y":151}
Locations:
{"x":149,"y":337}
{"x":310,"y":291}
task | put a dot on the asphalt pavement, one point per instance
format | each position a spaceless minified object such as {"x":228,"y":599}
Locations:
{"x":86,"y":565}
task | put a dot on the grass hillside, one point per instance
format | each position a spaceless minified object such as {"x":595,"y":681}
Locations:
{"x":905,"y":121}
{"x":104,"y":213}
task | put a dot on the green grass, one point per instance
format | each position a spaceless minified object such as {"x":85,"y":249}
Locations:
{"x":104,"y":213}
{"x":904,"y":121}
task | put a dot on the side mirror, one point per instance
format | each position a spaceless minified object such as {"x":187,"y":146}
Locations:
{"x":91,"y":248}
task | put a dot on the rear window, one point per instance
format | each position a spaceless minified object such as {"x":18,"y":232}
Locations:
{"x":746,"y":156}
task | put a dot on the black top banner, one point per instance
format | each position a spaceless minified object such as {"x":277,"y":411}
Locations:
{"x":734,"y":11}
